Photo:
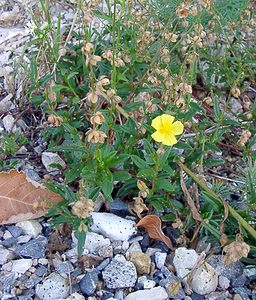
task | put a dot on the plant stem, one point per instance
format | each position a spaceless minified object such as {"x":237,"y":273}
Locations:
{"x":232,"y":211}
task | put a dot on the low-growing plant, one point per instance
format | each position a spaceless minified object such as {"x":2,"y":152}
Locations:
{"x":117,"y":90}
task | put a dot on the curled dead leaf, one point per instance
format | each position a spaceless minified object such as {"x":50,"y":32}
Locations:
{"x":22,"y":199}
{"x":153,"y":225}
{"x":234,"y":251}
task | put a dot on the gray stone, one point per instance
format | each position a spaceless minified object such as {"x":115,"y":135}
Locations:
{"x":93,"y":241}
{"x":49,"y":158}
{"x":184,"y":260}
{"x":224,"y":295}
{"x":157,"y":293}
{"x":119,"y":208}
{"x":204,"y":280}
{"x":31,"y":282}
{"x":88,"y":283}
{"x":119,"y":295}
{"x":119,"y":274}
{"x":239,"y":281}
{"x":5,"y":255}
{"x":250,"y":272}
{"x":160,"y":258}
{"x":53,"y":287}
{"x":230,"y":271}
{"x":173,"y":287}
{"x":254,"y":295}
{"x":32,"y":174}
{"x":134,"y":248}
{"x":24,"y":239}
{"x":103,"y":265}
{"x":243,"y":292}
{"x":10,"y":242}
{"x":41,"y":271}
{"x":7,"y":281}
{"x":21,"y":265}
{"x":224,"y":282}
{"x":65,"y":267}
{"x":112,"y":226}
{"x":105,"y":251}
{"x":15,"y":231}
{"x":31,"y":227}
{"x":33,"y":249}
{"x":8,"y":122}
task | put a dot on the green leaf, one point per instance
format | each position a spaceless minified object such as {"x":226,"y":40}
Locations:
{"x":68,"y":148}
{"x":164,"y":184}
{"x":81,"y":240}
{"x":139,"y":162}
{"x":107,"y":185}
{"x":121,"y":176}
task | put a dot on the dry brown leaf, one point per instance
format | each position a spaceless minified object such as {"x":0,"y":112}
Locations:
{"x":22,"y":199}
{"x":153,"y":225}
{"x":235,"y":251}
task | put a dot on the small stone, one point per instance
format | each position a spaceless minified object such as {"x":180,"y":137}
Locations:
{"x":119,"y":274}
{"x":105,"y":251}
{"x":120,"y":208}
{"x":224,"y":295}
{"x":184,"y":260}
{"x":10,"y":242}
{"x":134,"y":248}
{"x":243,"y":292}
{"x":31,"y":227}
{"x":15,"y":231}
{"x":224,"y":282}
{"x":5,"y":256}
{"x":230,"y":271}
{"x":24,"y":239}
{"x":112,"y":226}
{"x":93,"y":241}
{"x":88,"y":283}
{"x":41,"y":271}
{"x":49,"y":158}
{"x":31,"y":174}
{"x":157,"y":293}
{"x":119,"y":295}
{"x":43,"y":261}
{"x":65,"y":267}
{"x":240,"y":281}
{"x":141,"y":261}
{"x":103,"y":265}
{"x":33,"y":249}
{"x":7,"y":235}
{"x":125,"y":245}
{"x":8,"y":122}
{"x":151,"y":251}
{"x":160,"y":259}
{"x":149,"y":284}
{"x":237,"y":297}
{"x":53,"y":287}
{"x":172,"y":285}
{"x":204,"y":280}
{"x":21,"y":265}
{"x":75,"y":296}
{"x":7,"y":267}
{"x":250,"y":272}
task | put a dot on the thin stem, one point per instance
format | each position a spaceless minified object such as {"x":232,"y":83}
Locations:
{"x":231,"y":210}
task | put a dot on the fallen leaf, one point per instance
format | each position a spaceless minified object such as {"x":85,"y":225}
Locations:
{"x":23,"y":199}
{"x":235,"y":251}
{"x":153,"y":225}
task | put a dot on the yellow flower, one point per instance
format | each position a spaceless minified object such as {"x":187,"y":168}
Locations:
{"x":166,"y":129}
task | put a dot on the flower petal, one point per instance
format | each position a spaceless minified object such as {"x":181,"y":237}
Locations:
{"x":177,"y":127}
{"x":157,"y":136}
{"x":156,"y":123}
{"x":167,"y":119}
{"x":169,"y":140}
